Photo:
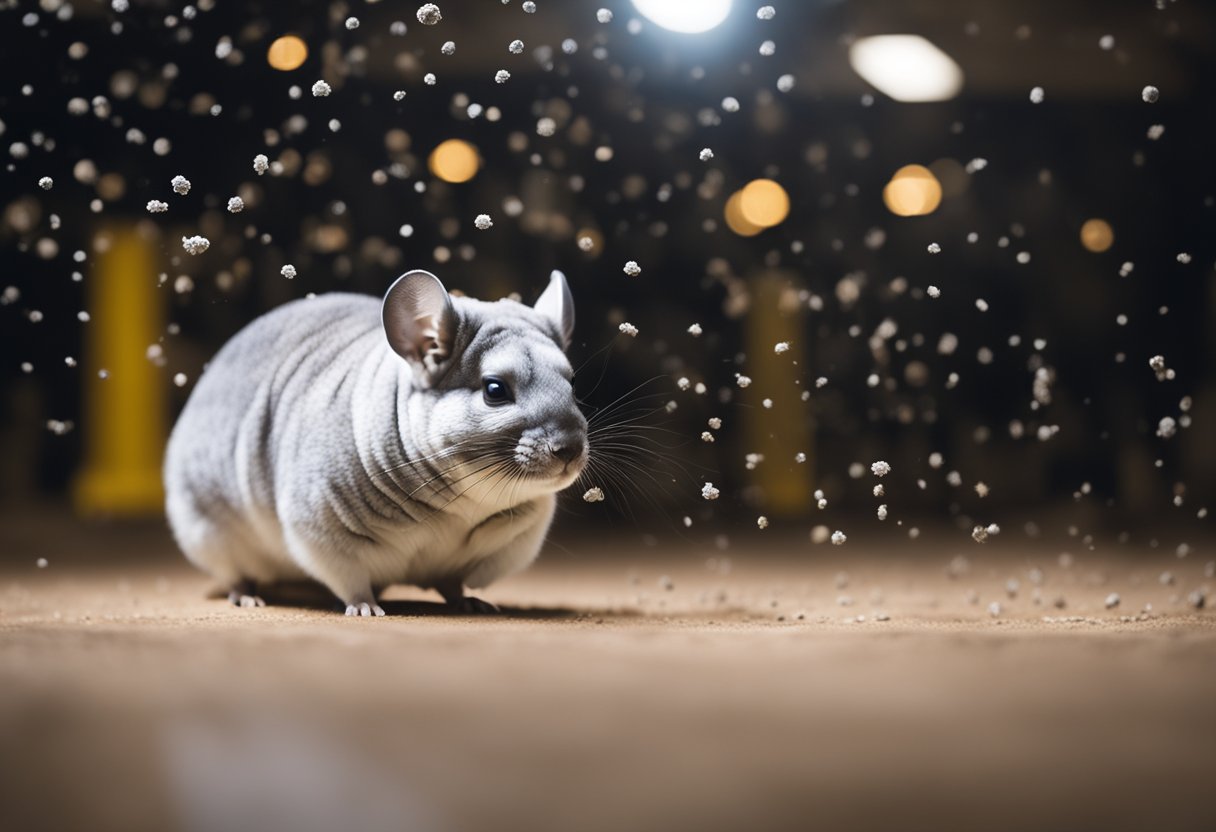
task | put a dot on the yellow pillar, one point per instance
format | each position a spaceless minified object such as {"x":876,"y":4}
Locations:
{"x":123,"y":414}
{"x":788,"y":428}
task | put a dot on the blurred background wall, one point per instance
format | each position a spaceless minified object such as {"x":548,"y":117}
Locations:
{"x":1082,"y":223}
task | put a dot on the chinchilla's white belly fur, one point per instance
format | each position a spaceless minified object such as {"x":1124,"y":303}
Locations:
{"x":293,"y":459}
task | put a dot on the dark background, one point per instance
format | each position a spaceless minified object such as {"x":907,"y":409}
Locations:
{"x":1082,"y":153}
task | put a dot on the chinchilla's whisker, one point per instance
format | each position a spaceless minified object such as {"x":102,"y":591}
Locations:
{"x":640,"y":472}
{"x":620,"y":400}
{"x":619,"y":485}
{"x":446,"y":453}
{"x":603,"y":370}
{"x":449,"y":485}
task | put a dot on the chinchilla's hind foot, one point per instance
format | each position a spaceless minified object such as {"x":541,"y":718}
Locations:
{"x":244,"y":594}
{"x":468,"y":605}
{"x":458,"y":602}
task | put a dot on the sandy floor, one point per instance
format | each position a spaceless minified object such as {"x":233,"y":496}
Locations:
{"x":740,"y":699}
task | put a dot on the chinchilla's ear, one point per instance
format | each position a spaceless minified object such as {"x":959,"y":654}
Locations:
{"x":557,"y":304}
{"x":419,"y":321}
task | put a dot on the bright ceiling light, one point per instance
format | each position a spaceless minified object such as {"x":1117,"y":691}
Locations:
{"x":687,"y":16}
{"x":906,"y":67}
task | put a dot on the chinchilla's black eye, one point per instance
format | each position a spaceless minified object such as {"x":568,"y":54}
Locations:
{"x":496,"y":391}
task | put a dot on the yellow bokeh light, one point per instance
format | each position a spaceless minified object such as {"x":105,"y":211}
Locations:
{"x":287,"y":53}
{"x":1097,"y":235}
{"x":735,"y":220}
{"x":912,"y":192}
{"x":764,"y":203}
{"x":454,"y":161}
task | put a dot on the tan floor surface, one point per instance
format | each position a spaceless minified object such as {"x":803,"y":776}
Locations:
{"x":603,"y":699}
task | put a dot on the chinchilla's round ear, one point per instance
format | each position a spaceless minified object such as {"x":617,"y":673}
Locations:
{"x":557,"y":304}
{"x":419,"y":321}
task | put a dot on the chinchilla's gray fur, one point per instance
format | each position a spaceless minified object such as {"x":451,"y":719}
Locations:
{"x":353,"y":442}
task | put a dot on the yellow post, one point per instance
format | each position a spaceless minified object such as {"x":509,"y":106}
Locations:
{"x":123,"y":417}
{"x":788,"y":428}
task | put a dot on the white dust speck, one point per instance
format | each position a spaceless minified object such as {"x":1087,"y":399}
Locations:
{"x":288,"y":271}
{"x":1150,"y":94}
{"x":766,"y":13}
{"x":46,"y":183}
{"x":708,"y":492}
{"x":632,"y":269}
{"x":155,"y":206}
{"x":629,"y":329}
{"x":196,"y":244}
{"x":236,"y":205}
{"x":880,"y":468}
{"x":604,"y":15}
{"x":1037,"y":95}
{"x":705,"y":155}
{"x":502,"y":76}
{"x":695,"y":330}
{"x":595,"y":494}
{"x":781,"y":347}
{"x":934,"y":248}
{"x":180,"y":184}
{"x":482,"y":222}
{"x":321,"y":89}
{"x":428,"y":14}
{"x":838,"y":538}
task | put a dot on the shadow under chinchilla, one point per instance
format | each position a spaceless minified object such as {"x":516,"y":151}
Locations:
{"x":310,"y":596}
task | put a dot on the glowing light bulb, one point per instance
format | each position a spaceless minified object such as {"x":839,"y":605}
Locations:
{"x":764,"y":203}
{"x":735,"y":220}
{"x":686,"y":16}
{"x":1097,"y":235}
{"x":906,"y":67}
{"x":454,"y":161}
{"x":912,"y":192}
{"x":287,"y":53}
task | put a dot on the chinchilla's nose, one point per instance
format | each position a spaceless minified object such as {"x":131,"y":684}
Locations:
{"x":568,"y":447}
{"x":568,"y":439}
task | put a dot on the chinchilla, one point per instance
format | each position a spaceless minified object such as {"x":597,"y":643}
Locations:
{"x":421,"y":440}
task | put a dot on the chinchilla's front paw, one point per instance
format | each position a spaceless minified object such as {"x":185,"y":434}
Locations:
{"x":364,"y":609}
{"x":244,"y":594}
